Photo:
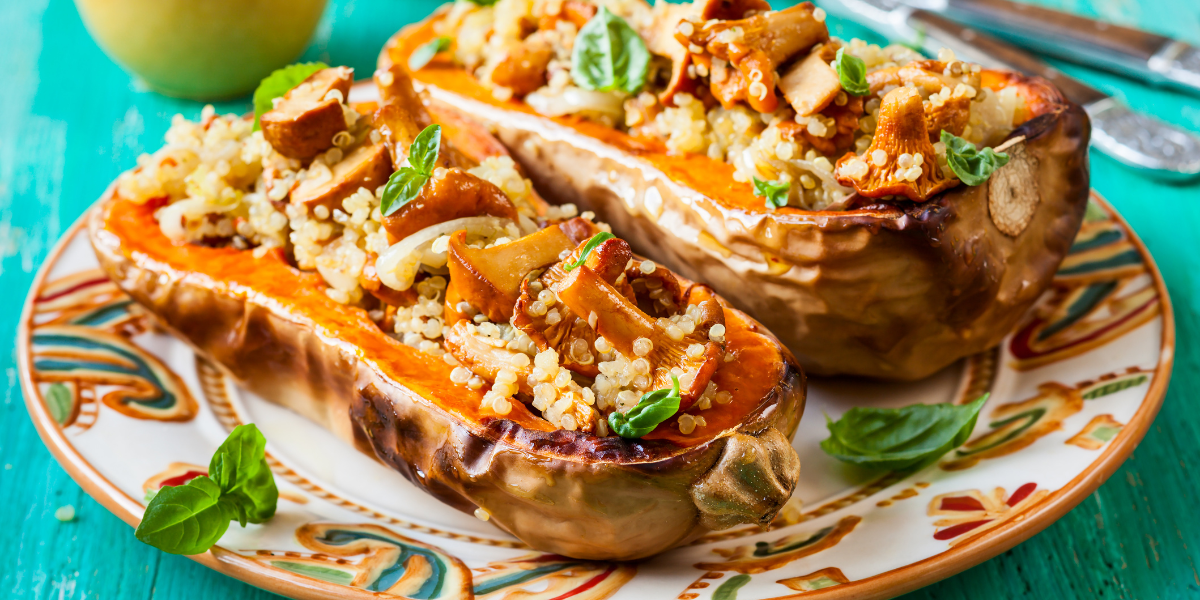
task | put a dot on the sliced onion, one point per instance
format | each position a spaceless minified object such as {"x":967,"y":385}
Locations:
{"x":397,"y":266}
{"x":828,"y":180}
{"x":172,"y":218}
{"x":575,"y":100}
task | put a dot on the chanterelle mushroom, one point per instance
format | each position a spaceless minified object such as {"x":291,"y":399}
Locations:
{"x":811,"y":84}
{"x":553,"y":325}
{"x":367,"y":166}
{"x":489,"y":279}
{"x":485,"y":356}
{"x":577,"y":12}
{"x":947,"y":88}
{"x":523,"y":70}
{"x":303,"y":123}
{"x":404,"y":116}
{"x":755,"y":47}
{"x":449,"y":194}
{"x":901,"y":160}
{"x":687,"y":346}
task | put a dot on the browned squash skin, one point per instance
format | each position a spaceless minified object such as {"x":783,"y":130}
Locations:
{"x":273,"y":329}
{"x":893,"y":292}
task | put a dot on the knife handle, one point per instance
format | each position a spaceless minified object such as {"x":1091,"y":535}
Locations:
{"x":1009,"y":57}
{"x":1144,"y":142}
{"x":1135,"y":139}
{"x":1054,"y":27}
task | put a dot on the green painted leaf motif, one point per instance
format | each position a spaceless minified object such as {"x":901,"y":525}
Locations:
{"x":609,"y":55}
{"x":280,"y":82}
{"x":1114,"y":387}
{"x":186,"y":519}
{"x":425,"y":52}
{"x":729,"y":589}
{"x":1005,"y":430}
{"x":971,"y":166}
{"x":776,"y":192}
{"x":591,"y":245}
{"x":900,"y":438}
{"x":329,"y":574}
{"x":60,"y":401}
{"x":1094,"y":212}
{"x":852,"y":73}
{"x":651,"y":410}
{"x":821,"y":583}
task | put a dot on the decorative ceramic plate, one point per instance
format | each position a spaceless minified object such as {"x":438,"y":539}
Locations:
{"x":127,"y":409}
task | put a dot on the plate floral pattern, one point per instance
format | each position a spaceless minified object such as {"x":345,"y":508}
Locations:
{"x":127,"y":409}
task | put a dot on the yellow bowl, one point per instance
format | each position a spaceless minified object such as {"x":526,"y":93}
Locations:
{"x":204,"y":50}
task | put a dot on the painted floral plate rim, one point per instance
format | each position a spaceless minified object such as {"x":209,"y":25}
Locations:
{"x":91,"y":361}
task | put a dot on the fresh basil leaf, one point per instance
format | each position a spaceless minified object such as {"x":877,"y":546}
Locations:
{"x":280,"y":82}
{"x":651,"y":410}
{"x":401,"y":188}
{"x":239,"y":467}
{"x":423,"y":152}
{"x":971,"y":166}
{"x":425,"y":52}
{"x":259,"y":495}
{"x":242,"y":453}
{"x":405,"y":185}
{"x":592,"y":244}
{"x":189,"y":519}
{"x":186,"y":519}
{"x":900,"y":438}
{"x":483,"y":2}
{"x":852,"y":73}
{"x":776,"y":192}
{"x":609,"y":55}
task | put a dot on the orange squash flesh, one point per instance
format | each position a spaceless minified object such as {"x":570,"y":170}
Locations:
{"x":891,"y":290}
{"x":272,"y":327}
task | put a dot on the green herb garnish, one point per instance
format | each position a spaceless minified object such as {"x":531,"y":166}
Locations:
{"x":592,"y":244}
{"x":609,"y":55}
{"x":280,"y":82}
{"x":483,"y":2}
{"x":405,"y":184}
{"x":852,"y":73}
{"x":654,"y":408}
{"x":425,"y":52}
{"x":776,"y":192}
{"x":900,"y":438}
{"x":972,"y":166}
{"x":190,"y":518}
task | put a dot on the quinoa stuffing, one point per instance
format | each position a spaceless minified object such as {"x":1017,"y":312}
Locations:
{"x":529,"y":303}
{"x":769,"y":92}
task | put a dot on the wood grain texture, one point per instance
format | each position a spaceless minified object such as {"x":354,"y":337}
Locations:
{"x":71,"y":120}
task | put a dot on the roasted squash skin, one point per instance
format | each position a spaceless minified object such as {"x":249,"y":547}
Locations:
{"x":887,"y":290}
{"x":273,"y":329}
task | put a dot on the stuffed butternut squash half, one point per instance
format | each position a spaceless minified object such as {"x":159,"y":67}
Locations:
{"x":883,"y":213}
{"x":385,"y":270}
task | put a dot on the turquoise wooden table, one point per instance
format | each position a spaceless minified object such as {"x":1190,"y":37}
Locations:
{"x":71,"y":120}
